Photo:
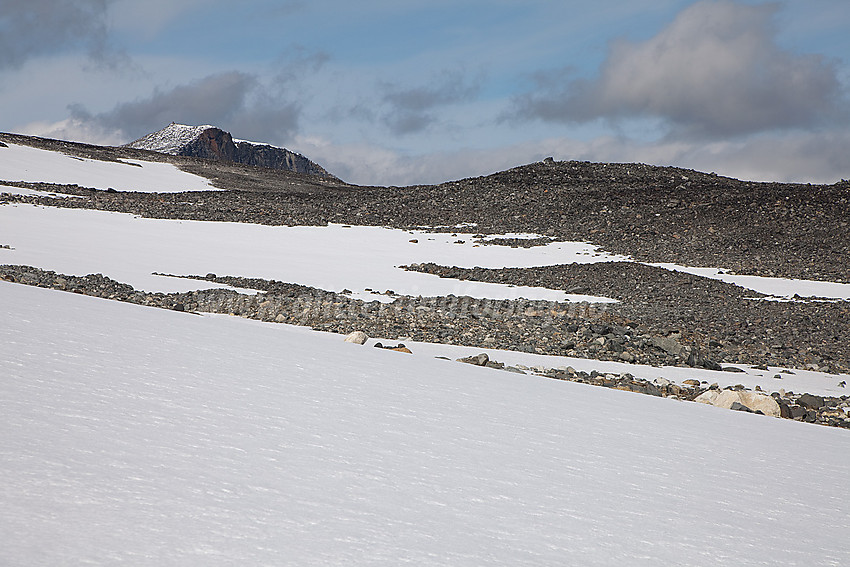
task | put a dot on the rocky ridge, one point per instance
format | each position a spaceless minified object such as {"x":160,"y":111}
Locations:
{"x":724,"y":321}
{"x":210,"y":142}
{"x":512,"y":325}
{"x":595,"y":331}
{"x":824,"y":410}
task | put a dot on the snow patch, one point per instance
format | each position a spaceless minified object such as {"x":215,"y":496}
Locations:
{"x":774,"y":287}
{"x":129,"y":249}
{"x":25,"y":163}
{"x":170,"y":139}
{"x":10,"y":190}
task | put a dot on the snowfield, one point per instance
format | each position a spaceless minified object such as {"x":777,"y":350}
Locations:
{"x":24,"y":163}
{"x":149,"y":437}
{"x":129,"y":249}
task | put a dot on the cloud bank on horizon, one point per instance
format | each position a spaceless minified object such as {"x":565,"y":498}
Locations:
{"x":420,"y":92}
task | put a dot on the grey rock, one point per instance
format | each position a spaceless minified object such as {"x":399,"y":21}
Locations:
{"x":357,"y":337}
{"x":738,"y":406}
{"x":809,"y":401}
{"x":478,"y":360}
{"x":667,"y":344}
{"x":755,"y":401}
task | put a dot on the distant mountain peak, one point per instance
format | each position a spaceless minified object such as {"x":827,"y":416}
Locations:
{"x":170,"y":139}
{"x":210,"y":142}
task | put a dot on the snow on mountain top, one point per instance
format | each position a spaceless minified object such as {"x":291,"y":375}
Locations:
{"x":150,"y":437}
{"x":170,"y":139}
{"x":174,"y":136}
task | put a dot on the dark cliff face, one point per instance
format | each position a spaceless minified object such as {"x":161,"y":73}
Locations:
{"x":214,"y":143}
{"x":276,"y":158}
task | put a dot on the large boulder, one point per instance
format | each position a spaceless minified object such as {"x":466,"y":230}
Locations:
{"x":755,"y":401}
{"x":667,"y":344}
{"x":809,"y":401}
{"x":478,"y":360}
{"x":357,"y":337}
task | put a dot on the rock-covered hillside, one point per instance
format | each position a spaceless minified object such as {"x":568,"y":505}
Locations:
{"x":210,"y":142}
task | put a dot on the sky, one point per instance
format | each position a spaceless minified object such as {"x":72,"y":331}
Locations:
{"x":397,"y":93}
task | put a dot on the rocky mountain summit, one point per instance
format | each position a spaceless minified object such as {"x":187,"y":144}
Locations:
{"x":210,"y":142}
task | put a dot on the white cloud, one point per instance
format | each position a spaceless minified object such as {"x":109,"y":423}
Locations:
{"x":74,"y":129}
{"x":716,"y":70}
{"x":411,"y":109}
{"x":797,"y":157}
{"x":233,"y":100}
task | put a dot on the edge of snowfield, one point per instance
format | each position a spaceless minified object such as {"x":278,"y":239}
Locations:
{"x":791,"y":379}
{"x":25,"y":163}
{"x":152,"y":437}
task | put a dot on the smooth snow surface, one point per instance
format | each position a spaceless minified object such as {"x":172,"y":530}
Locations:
{"x":24,"y":163}
{"x":129,"y":249}
{"x":140,"y":436}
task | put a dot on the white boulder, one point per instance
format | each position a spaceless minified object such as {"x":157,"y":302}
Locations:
{"x":357,"y":337}
{"x":753,"y":400}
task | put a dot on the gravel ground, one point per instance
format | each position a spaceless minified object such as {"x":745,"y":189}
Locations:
{"x":727,"y":322}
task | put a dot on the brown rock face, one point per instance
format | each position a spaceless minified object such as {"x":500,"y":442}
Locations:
{"x":212,"y":143}
{"x":215,"y":143}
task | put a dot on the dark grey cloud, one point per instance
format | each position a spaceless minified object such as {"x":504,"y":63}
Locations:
{"x":216,"y":97}
{"x":716,"y":70}
{"x":296,"y":62}
{"x":413,"y":109}
{"x":29,"y":28}
{"x":235,"y":101}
